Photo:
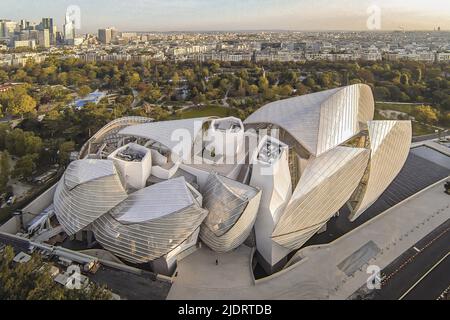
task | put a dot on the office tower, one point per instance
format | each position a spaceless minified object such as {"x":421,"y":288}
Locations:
{"x":114,"y":34}
{"x":33,"y":35}
{"x":107,"y":35}
{"x":23,"y":35}
{"x":53,"y":35}
{"x":7,"y":29}
{"x":59,"y":38}
{"x":44,"y":38}
{"x":104,"y":35}
{"x":69,"y":31}
{"x":2,"y":29}
{"x":47,"y":23}
{"x":23,"y":25}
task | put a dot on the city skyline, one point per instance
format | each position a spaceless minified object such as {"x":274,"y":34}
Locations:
{"x":202,"y":15}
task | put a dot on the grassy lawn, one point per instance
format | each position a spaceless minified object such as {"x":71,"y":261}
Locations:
{"x":417,"y":128}
{"x":207,"y":111}
{"x":406,"y":108}
{"x":422,"y":130}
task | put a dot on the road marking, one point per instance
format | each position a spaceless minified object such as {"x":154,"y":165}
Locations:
{"x":441,"y":297}
{"x":415,"y":248}
{"x":407,"y":262}
{"x":424,"y":276}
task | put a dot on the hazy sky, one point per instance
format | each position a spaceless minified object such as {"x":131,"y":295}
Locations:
{"x":180,"y":15}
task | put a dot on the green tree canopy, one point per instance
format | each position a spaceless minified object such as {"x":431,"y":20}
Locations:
{"x":5,"y":170}
{"x":426,"y":114}
{"x":32,"y":281}
{"x":25,"y":166}
{"x":64,"y":152}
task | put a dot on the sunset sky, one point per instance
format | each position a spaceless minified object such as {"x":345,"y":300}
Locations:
{"x":189,"y":15}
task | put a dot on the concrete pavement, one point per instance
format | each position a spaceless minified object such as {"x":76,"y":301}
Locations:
{"x":315,"y":273}
{"x":406,"y":271}
{"x":433,"y":145}
{"x":200,"y":271}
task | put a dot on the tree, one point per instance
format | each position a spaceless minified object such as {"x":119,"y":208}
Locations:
{"x":175,"y":79}
{"x":64,"y":151}
{"x":252,"y":90}
{"x":133,"y":80}
{"x":310,"y":82}
{"x":5,"y":171}
{"x":404,"y":79}
{"x":366,"y":76}
{"x":241,"y":88}
{"x":205,"y":73}
{"x":446,"y":104}
{"x":417,"y":74}
{"x":4,"y":129}
{"x":25,"y":166}
{"x":394,"y":92}
{"x":445,"y":119}
{"x":159,"y":113}
{"x":224,"y":84}
{"x":151,"y":93}
{"x":15,"y":142}
{"x":355,"y":81}
{"x":382,"y":93}
{"x":215,"y":67}
{"x":263,"y":84}
{"x":32,"y":281}
{"x":269,"y":94}
{"x":23,"y":105}
{"x":285,"y":90}
{"x":51,"y":122}
{"x":33,"y":144}
{"x":3,"y":76}
{"x":426,"y":114}
{"x":289,"y":77}
{"x":63,"y":78}
{"x":301,"y":89}
{"x":94,"y":116}
{"x":20,"y":76}
{"x":20,"y":143}
{"x":326,"y":80}
{"x":84,"y":91}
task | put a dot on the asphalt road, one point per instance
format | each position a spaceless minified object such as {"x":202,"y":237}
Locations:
{"x":432,"y":284}
{"x":421,"y":272}
{"x":131,"y":287}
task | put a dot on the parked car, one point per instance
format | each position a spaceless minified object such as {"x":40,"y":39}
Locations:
{"x":11,"y":200}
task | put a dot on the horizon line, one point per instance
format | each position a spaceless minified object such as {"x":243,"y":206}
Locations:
{"x":278,"y":30}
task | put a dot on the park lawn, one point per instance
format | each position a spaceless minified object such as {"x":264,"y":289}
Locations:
{"x":406,"y":108}
{"x":208,"y":111}
{"x":421,"y":129}
{"x":418,"y":128}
